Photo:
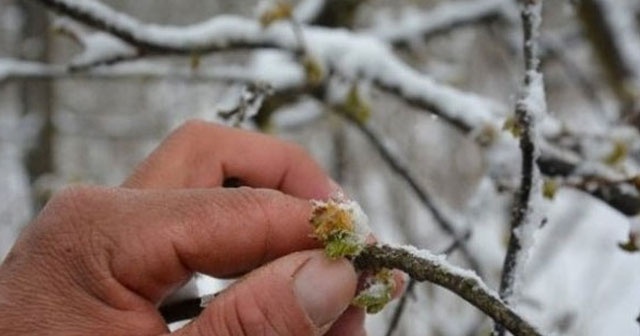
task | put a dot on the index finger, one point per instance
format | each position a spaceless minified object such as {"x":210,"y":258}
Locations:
{"x":201,"y":155}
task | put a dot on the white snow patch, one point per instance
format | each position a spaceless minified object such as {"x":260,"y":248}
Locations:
{"x":277,"y":68}
{"x":534,"y":97}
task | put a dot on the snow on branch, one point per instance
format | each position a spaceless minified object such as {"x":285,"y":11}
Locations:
{"x":420,"y":265}
{"x":400,"y":307}
{"x":97,"y":48}
{"x":530,"y":110}
{"x":422,"y":25}
{"x":351,"y":55}
{"x":354,"y":56}
{"x":14,"y":69}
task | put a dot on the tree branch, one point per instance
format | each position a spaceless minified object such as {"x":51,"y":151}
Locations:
{"x":403,"y":171}
{"x":551,"y":162}
{"x":614,"y":37}
{"x":397,"y":314}
{"x":529,"y":110}
{"x":339,"y":50}
{"x":421,"y":266}
{"x":13,"y":69}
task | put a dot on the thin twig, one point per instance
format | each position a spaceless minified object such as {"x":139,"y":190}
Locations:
{"x":526,"y":120}
{"x":420,"y":192}
{"x":249,"y":103}
{"x":610,"y":29}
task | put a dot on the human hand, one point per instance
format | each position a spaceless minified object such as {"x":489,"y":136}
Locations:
{"x":98,"y":261}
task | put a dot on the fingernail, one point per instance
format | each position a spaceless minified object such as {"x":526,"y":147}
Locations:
{"x":325,"y":288}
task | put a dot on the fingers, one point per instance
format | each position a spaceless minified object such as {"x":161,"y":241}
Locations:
{"x":220,"y":232}
{"x":300,"y":294}
{"x":201,"y":155}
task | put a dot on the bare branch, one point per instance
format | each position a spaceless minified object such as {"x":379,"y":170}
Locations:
{"x":420,"y":192}
{"x":555,"y":47}
{"x":614,"y":36}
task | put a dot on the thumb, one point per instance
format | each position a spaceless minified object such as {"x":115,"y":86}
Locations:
{"x":299,"y":294}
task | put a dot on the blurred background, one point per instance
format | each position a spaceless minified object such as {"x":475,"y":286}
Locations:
{"x":66,"y":129}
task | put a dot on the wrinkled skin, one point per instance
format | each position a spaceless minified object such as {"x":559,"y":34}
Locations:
{"x":98,"y":261}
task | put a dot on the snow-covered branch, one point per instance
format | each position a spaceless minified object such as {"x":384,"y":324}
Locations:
{"x":14,"y":69}
{"x":354,"y":56}
{"x":400,"y":308}
{"x":530,"y":110}
{"x":419,"y":265}
{"x":351,"y":55}
{"x":424,"y":266}
{"x":97,"y":48}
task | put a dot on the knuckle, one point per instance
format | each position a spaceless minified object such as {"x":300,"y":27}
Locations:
{"x":75,"y":211}
{"x":71,"y":199}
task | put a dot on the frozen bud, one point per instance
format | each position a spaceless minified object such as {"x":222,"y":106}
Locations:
{"x":341,"y":225}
